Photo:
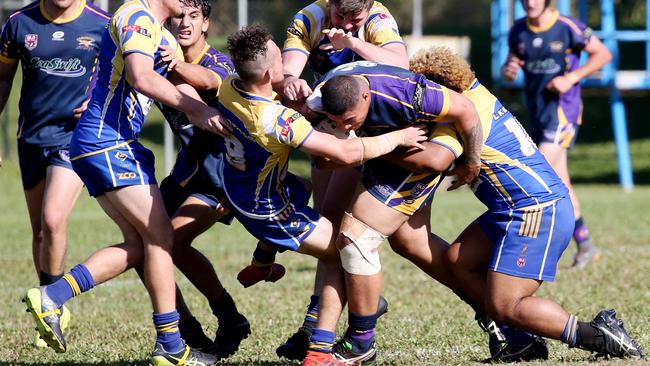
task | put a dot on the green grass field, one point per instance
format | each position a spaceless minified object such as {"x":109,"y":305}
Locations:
{"x":426,"y":324}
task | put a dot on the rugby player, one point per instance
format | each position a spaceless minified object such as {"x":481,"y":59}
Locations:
{"x":56,"y":42}
{"x":547,"y":46}
{"x":119,"y":171}
{"x":270,"y":202}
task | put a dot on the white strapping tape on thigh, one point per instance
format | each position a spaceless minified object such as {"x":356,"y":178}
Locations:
{"x":361,"y":256}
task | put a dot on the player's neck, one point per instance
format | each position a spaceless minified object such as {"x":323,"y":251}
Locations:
{"x":543,"y":18}
{"x":192,"y":52}
{"x":160,"y":12}
{"x":262,"y":89}
{"x":56,"y":13}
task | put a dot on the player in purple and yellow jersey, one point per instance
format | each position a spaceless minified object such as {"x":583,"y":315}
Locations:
{"x":56,"y":42}
{"x":547,"y":46}
{"x":119,"y":171}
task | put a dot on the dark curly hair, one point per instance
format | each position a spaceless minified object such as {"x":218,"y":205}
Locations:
{"x":204,"y":5}
{"x":246,"y":46}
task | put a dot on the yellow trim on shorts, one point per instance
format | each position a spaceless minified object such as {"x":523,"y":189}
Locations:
{"x":102,"y":150}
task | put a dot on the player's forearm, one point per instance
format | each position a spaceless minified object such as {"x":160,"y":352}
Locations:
{"x":5,"y":91}
{"x":472,"y":142}
{"x":162,"y":90}
{"x":381,"y":55}
{"x":197,"y":76}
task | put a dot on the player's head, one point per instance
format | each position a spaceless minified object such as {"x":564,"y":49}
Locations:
{"x":255,"y":55}
{"x":346,"y":101}
{"x":193,"y":23}
{"x":349,"y":15}
{"x":535,"y":8}
{"x":444,"y":67}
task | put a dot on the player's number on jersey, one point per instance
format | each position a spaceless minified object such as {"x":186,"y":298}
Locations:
{"x":235,"y":153}
{"x":525,"y":143}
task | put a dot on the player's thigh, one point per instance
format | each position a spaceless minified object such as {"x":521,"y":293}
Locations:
{"x":339,"y":195}
{"x":471,"y":250}
{"x":369,"y":210}
{"x":62,"y":189}
{"x":555,"y":154}
{"x":129,"y":232}
{"x":193,"y":218}
{"x":321,"y":241}
{"x":143,"y":208}
{"x":414,"y":233}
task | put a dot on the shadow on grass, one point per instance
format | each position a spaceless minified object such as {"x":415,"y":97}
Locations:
{"x":641,"y":177}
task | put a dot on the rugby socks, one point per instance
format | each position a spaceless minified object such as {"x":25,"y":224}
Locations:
{"x":263,"y":258}
{"x":321,"y":340}
{"x":361,"y":331}
{"x":224,"y":308}
{"x":48,"y":279}
{"x":582,"y":335}
{"x":311,"y":317}
{"x":73,"y":283}
{"x":581,"y":233}
{"x":167,"y":333}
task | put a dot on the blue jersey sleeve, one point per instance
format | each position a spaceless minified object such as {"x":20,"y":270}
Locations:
{"x":579,"y":33}
{"x":9,"y":52}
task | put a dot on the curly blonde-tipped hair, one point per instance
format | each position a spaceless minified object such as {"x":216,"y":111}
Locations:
{"x":441,"y":65}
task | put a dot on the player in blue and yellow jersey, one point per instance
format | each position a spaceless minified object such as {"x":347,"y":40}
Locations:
{"x":374,"y":99}
{"x":119,"y":172}
{"x":57,"y":43}
{"x":193,"y":192}
{"x":504,"y":256}
{"x":268,"y":200}
{"x":547,"y":46}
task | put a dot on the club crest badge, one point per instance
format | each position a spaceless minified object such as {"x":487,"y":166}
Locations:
{"x":31,"y":41}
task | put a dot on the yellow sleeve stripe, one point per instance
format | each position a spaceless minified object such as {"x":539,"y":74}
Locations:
{"x":445,"y":104}
{"x":8,"y":60}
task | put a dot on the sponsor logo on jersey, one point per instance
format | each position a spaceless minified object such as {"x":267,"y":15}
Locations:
{"x":126,"y":175}
{"x":69,"y":68}
{"x":546,"y":66}
{"x":121,"y":156}
{"x":286,"y":128}
{"x":58,"y":36}
{"x":293,"y":30}
{"x":537,"y":42}
{"x":556,"y":46}
{"x":136,"y":28}
{"x":31,"y":41}
{"x":521,"y":47}
{"x":86,"y":43}
{"x":383,"y":21}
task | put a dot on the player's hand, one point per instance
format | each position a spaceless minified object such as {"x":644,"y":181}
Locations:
{"x":465,"y":173}
{"x":562,"y":84}
{"x":77,"y":112}
{"x":209,"y":119}
{"x":295,"y":89}
{"x":168,"y":55}
{"x":512,"y":67}
{"x":412,"y":136}
{"x":339,"y":39}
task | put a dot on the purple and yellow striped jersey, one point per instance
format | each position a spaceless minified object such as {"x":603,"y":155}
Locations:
{"x":117,"y":111}
{"x":549,"y":51}
{"x":399,"y":97}
{"x":258,"y":150}
{"x":58,"y":60}
{"x":305,"y":34}
{"x":514,"y":174}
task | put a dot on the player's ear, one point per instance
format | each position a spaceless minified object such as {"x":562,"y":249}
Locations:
{"x":205,"y":25}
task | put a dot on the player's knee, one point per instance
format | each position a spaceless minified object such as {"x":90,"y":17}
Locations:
{"x":451,"y":257}
{"x":502,"y":308}
{"x":54,"y":222}
{"x":358,"y":246}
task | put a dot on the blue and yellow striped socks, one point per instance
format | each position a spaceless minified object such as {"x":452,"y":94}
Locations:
{"x":167,"y":333}
{"x":73,"y":283}
{"x":321,"y":340}
{"x":569,"y":336}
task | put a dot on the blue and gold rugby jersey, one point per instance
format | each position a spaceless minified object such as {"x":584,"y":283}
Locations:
{"x":549,"y":51}
{"x":257,"y":153}
{"x":305,"y":34}
{"x":58,"y":59}
{"x":514,"y":174}
{"x":199,"y":149}
{"x":399,"y":97}
{"x":117,"y":111}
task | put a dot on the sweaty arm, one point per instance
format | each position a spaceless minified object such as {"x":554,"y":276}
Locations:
{"x":139,"y":69}
{"x":7,"y":73}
